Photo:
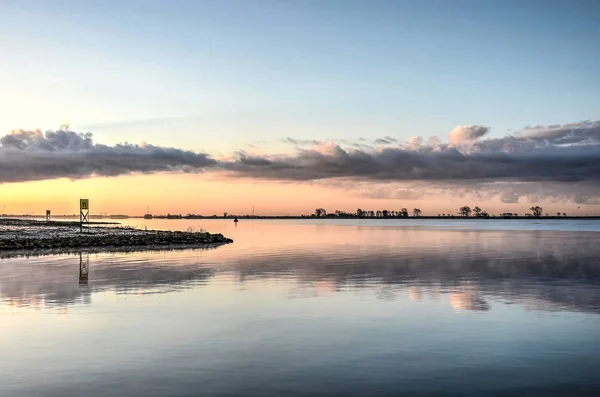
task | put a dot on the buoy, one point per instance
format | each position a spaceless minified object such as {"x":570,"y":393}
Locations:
{"x":236,"y":220}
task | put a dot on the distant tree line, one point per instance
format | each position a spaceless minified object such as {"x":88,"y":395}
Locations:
{"x":360,"y":213}
{"x":536,"y":212}
{"x":464,"y":211}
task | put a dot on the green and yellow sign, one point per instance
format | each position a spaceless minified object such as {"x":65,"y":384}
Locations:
{"x":84,"y":204}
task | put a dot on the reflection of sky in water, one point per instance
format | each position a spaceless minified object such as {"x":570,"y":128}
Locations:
{"x":354,"y":309}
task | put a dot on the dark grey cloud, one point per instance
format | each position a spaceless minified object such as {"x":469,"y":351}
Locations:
{"x":33,"y":155}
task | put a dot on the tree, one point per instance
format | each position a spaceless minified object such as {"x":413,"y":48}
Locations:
{"x":558,"y":214}
{"x":404,"y":213}
{"x":225,"y":214}
{"x":477,"y":211}
{"x":416,"y":212}
{"x":378,"y":214}
{"x":564,"y":214}
{"x":320,"y":213}
{"x":465,"y":211}
{"x":536,"y":211}
{"x":385,"y":213}
{"x":359,"y":213}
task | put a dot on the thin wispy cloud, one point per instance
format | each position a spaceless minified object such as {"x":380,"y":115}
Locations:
{"x":300,"y":142}
{"x":385,"y":140}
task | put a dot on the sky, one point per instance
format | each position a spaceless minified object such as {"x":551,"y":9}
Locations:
{"x":218,"y":106}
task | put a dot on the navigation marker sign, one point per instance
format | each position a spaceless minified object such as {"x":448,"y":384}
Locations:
{"x":84,"y":213}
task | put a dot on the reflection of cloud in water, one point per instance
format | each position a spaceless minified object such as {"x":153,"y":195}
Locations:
{"x":415,"y":294}
{"x":541,"y":270}
{"x":467,"y":300}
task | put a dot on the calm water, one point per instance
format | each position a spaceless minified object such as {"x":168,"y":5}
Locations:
{"x":440,"y":308}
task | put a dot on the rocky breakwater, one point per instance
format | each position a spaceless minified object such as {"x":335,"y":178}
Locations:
{"x":39,"y":236}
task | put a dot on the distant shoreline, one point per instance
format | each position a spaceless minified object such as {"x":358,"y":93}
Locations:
{"x":329,"y":217}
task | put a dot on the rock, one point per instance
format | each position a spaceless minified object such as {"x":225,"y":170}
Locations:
{"x":110,"y":238}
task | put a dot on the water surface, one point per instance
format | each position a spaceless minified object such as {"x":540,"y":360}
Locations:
{"x":313,"y":308}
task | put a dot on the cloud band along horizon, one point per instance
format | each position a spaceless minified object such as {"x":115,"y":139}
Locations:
{"x":558,"y":153}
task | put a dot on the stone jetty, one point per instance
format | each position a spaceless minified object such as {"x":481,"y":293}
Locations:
{"x":16,"y":234}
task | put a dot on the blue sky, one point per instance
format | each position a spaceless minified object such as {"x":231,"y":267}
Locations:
{"x":217,"y":75}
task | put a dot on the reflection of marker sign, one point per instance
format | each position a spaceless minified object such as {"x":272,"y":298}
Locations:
{"x":84,"y":268}
{"x":84,"y":204}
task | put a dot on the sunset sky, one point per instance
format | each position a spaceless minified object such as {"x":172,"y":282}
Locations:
{"x":214,"y":106}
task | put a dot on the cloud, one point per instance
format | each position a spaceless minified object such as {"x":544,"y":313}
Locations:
{"x":403,"y":191}
{"x":385,"y":140}
{"x":532,"y":192}
{"x":33,"y":155}
{"x":506,"y":192}
{"x":536,"y":159}
{"x":464,"y":133}
{"x":416,"y":141}
{"x":300,"y":142}
{"x":586,"y":132}
{"x":509,"y":197}
{"x":517,"y":159}
{"x":433,"y":141}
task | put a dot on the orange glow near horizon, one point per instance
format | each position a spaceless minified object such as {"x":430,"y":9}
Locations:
{"x":203,"y":194}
